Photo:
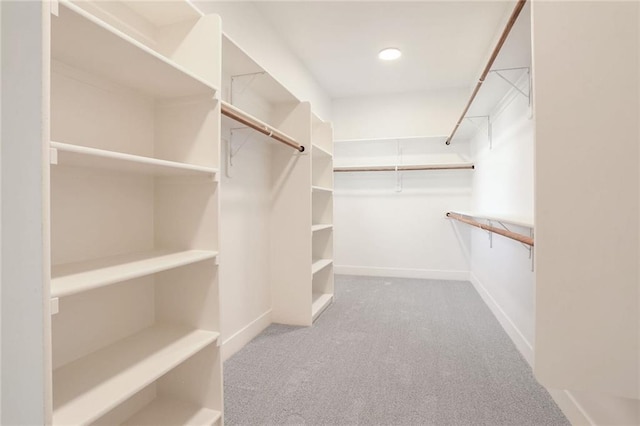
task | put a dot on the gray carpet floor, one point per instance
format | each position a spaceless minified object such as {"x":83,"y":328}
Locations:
{"x":389,"y":351}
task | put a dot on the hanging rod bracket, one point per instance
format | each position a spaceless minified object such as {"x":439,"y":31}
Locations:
{"x":249,"y":74}
{"x":253,"y":75}
{"x":499,"y":72}
{"x":489,"y":126}
{"x":526,"y":246}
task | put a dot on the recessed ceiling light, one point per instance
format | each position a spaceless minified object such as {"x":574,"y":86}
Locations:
{"x":389,"y":54}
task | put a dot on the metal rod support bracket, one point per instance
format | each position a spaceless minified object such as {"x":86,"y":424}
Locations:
{"x":498,"y":72}
{"x":489,"y":126}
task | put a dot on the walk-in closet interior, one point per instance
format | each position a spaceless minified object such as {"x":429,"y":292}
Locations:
{"x":238,"y":213}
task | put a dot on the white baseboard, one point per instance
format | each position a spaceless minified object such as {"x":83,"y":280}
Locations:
{"x":239,"y":339}
{"x":574,"y":412}
{"x":524,"y":346}
{"x":430,"y":274}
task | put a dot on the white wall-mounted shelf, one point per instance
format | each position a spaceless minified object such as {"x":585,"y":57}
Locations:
{"x":320,"y":264}
{"x":320,"y":227}
{"x":77,"y":277}
{"x":405,"y":167}
{"x":320,"y":302}
{"x":426,"y":138}
{"x":322,"y":151}
{"x":64,"y":154}
{"x":88,"y":388}
{"x":87,"y":43}
{"x":167,"y":412}
{"x":171,"y":13}
{"x":321,"y":189}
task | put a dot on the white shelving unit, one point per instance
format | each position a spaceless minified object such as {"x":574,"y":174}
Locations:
{"x":322,"y":280}
{"x":134,"y":161}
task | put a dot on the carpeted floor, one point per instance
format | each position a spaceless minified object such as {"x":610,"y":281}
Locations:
{"x":389,"y":351}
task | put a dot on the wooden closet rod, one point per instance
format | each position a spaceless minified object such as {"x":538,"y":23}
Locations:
{"x":509,"y":234}
{"x":250,"y":121}
{"x":403,"y":168}
{"x":505,"y":33}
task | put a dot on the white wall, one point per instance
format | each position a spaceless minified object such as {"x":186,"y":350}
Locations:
{"x":378,"y":229}
{"x":587,"y":109}
{"x":245,"y":209}
{"x":245,"y":291}
{"x":245,"y":25}
{"x":402,"y":115}
{"x":503,"y":187}
{"x":381,"y":232}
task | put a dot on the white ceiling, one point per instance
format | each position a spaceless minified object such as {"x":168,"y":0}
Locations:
{"x":444,"y":43}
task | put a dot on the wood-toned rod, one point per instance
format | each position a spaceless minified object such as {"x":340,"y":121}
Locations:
{"x":509,"y":234}
{"x":505,"y":33}
{"x":404,"y":168}
{"x":250,"y":121}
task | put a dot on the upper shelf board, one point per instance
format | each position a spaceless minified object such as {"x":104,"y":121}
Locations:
{"x":71,"y":278}
{"x":436,"y":138}
{"x":405,"y":167}
{"x":161,"y":13}
{"x":236,"y":62}
{"x":321,"y":151}
{"x":87,"y":43}
{"x":321,"y":227}
{"x":321,"y":189}
{"x":81,"y":156}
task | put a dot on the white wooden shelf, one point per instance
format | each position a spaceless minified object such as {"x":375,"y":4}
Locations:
{"x":405,"y":167}
{"x":525,"y":222}
{"x":77,"y":277}
{"x":170,"y":12}
{"x":321,"y":189}
{"x":80,"y":156}
{"x":88,"y":388}
{"x":168,"y":412}
{"x":321,"y":227}
{"x":87,"y":43}
{"x":320,"y":302}
{"x":322,"y":151}
{"x":320,"y":264}
{"x":429,"y":138}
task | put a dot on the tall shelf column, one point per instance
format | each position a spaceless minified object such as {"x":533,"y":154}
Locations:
{"x":134,"y":170}
{"x":322,"y":217}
